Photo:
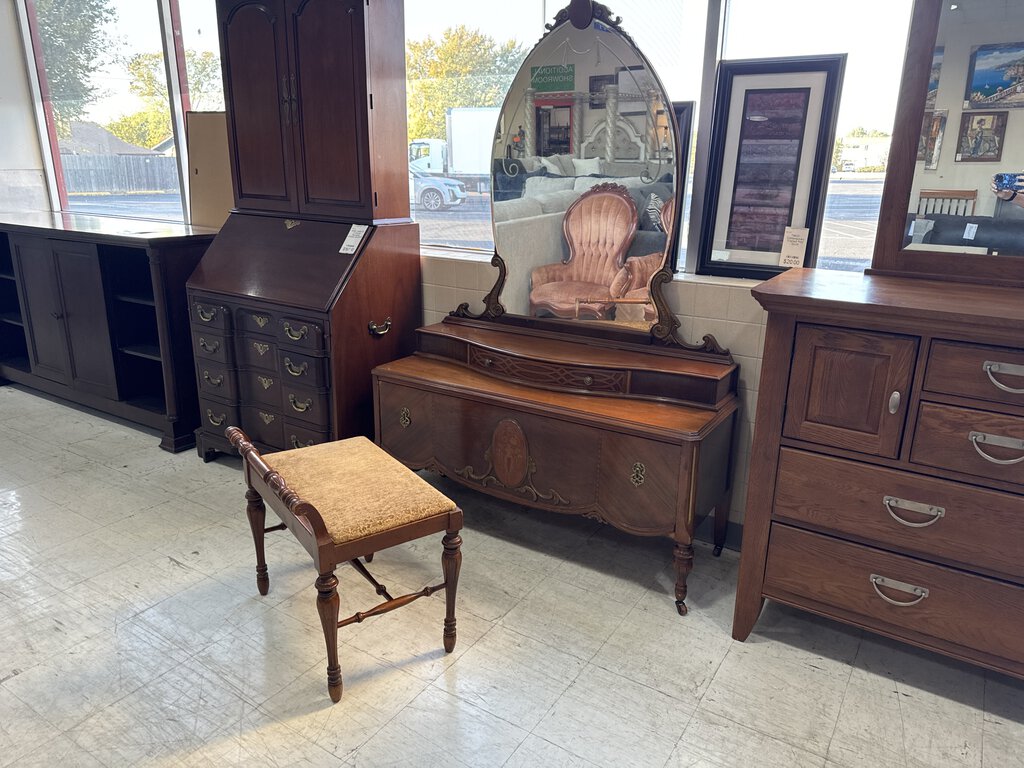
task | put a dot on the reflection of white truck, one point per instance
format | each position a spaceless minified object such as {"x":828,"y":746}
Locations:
{"x":466,"y":154}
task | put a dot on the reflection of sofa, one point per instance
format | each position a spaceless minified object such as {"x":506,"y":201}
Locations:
{"x":999,"y":235}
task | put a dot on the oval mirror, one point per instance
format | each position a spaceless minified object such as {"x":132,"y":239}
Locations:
{"x":584,"y":176}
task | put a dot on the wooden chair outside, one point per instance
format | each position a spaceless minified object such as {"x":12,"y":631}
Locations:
{"x":342,"y":501}
{"x":954,"y":202}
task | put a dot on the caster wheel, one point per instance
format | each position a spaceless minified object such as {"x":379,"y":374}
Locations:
{"x":681,"y":607}
{"x":717,"y":550}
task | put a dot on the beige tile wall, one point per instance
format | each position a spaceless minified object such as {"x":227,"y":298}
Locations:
{"x":720,"y":306}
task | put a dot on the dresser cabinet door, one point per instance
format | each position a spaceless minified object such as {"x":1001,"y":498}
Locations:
{"x":40,"y":296}
{"x":850,"y":389}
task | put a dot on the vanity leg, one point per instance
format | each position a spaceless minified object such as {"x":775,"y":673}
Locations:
{"x":683,"y":558}
{"x":722,"y":521}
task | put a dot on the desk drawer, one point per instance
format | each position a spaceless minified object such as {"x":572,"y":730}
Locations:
{"x":218,"y":416}
{"x":303,"y":370}
{"x":260,"y":387}
{"x":304,"y":404}
{"x":941,"y":520}
{"x":217,"y":379}
{"x":211,"y":346}
{"x":299,"y":435}
{"x":975,"y":442}
{"x":257,"y":353}
{"x":263,"y":425}
{"x":841,"y":578}
{"x":208,"y":313}
{"x":971,"y":370}
{"x":544,"y":374}
{"x":301,"y":333}
{"x":255,"y":320}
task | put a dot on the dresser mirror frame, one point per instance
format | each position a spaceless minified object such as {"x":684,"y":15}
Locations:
{"x":890,"y":256}
{"x":583,"y":15}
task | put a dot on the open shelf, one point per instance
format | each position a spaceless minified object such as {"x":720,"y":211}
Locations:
{"x":11,"y":318}
{"x":145,"y":351}
{"x":6,"y":275}
{"x":132,"y":298}
{"x":151,"y":403}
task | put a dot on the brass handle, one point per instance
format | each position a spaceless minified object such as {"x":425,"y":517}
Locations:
{"x":894,"y":402}
{"x":261,"y":349}
{"x":1013,"y":443}
{"x":214,"y":421}
{"x":639,"y":474}
{"x":588,"y":380}
{"x":1006,"y":369}
{"x":900,"y":586}
{"x":296,"y":444}
{"x":205,"y":316}
{"x":891,"y":503}
{"x":295,"y":371}
{"x":295,"y":335}
{"x":207,"y":347}
{"x":380,"y":330}
{"x":267,"y":417}
{"x":265,"y":381}
{"x":487,"y":362}
{"x":300,"y":405}
{"x":404,"y":418}
{"x":216,"y":382}
{"x":260,"y":320}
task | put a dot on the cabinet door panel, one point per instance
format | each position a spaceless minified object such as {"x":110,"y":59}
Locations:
{"x":850,"y":389}
{"x":329,"y":62}
{"x":40,"y":298}
{"x":256,"y":90}
{"x":85,"y":312}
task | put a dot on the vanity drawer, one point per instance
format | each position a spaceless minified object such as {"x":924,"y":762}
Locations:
{"x":303,"y":370}
{"x":299,"y":435}
{"x":255,"y":320}
{"x":217,"y":379}
{"x":212,"y":346}
{"x":305,"y":404}
{"x":260,"y":387}
{"x":405,"y":426}
{"x":855,"y":583}
{"x":263,"y":425}
{"x":972,"y":370}
{"x":208,"y":313}
{"x":304,"y":334}
{"x":965,"y":440}
{"x":218,"y":416}
{"x":256,"y":353}
{"x":543,"y":374}
{"x":638,"y":484}
{"x":897,"y":510}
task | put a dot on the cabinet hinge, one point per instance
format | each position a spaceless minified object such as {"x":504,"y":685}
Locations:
{"x":371,"y":101}
{"x":374,"y":199}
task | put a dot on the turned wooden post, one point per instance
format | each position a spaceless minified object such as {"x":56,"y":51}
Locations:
{"x":327,"y":605}
{"x":683,"y":558}
{"x":451,"y":563}
{"x":256,"y":511}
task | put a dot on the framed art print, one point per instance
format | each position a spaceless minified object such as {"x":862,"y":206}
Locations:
{"x":933,"y":77}
{"x":930,"y":143}
{"x":596,"y":87}
{"x":773,"y":133}
{"x":981,"y":137}
{"x":995,"y":77}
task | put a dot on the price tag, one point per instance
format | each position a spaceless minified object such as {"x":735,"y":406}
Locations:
{"x":970,"y":231}
{"x":719,"y":255}
{"x":794,"y":247}
{"x":354,"y":238}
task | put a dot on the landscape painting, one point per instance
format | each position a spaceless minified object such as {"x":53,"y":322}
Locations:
{"x":995,"y":78}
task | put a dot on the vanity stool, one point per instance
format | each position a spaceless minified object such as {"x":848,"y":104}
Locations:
{"x":342,"y":501}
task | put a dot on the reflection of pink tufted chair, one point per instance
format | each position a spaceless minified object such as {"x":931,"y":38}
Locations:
{"x":640,"y":269}
{"x":599,"y":228}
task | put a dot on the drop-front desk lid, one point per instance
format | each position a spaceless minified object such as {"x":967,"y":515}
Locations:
{"x":285,"y":261}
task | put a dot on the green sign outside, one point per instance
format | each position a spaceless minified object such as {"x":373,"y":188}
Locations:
{"x":553,"y":77}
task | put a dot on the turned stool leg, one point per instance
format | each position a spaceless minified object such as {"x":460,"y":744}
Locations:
{"x":683,"y":557}
{"x":451,"y":562}
{"x":327,"y":605}
{"x":257,"y":514}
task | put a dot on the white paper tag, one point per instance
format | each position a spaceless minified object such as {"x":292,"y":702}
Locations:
{"x":970,"y":231}
{"x":719,"y":255}
{"x":354,"y":238}
{"x":794,"y":247}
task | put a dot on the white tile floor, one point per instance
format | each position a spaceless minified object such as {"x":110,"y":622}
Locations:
{"x":131,"y":633}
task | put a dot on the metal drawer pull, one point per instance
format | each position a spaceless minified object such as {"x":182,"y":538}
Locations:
{"x":380,"y":330}
{"x":216,"y":382}
{"x":267,"y":417}
{"x":293,"y":370}
{"x":295,"y":335}
{"x":300,"y":406}
{"x":638,"y":475}
{"x":265,"y":381}
{"x":260,"y":348}
{"x":214,"y":421}
{"x":997,"y":440}
{"x":297,"y":444}
{"x":891,"y":503}
{"x":207,"y":347}
{"x":1007,"y":369}
{"x":404,"y":418}
{"x":260,"y":320}
{"x":205,"y":316}
{"x":901,"y":586}
{"x":894,"y":402}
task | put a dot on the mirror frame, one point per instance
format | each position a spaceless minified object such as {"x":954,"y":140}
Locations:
{"x":581,"y":14}
{"x":890,"y":258}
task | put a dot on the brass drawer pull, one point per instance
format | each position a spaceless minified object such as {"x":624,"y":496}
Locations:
{"x":639,"y":474}
{"x":380,"y":330}
{"x":997,"y":440}
{"x":205,"y":316}
{"x":588,"y":380}
{"x":267,"y":417}
{"x":296,"y":444}
{"x":214,"y":382}
{"x":293,"y":370}
{"x":295,"y":335}
{"x":1006,"y":369}
{"x":265,"y":381}
{"x":900,"y":586}
{"x":891,"y":503}
{"x":260,"y":320}
{"x":300,"y":405}
{"x":216,"y":422}
{"x":404,"y":418}
{"x":207,"y":346}
{"x":261,"y":349}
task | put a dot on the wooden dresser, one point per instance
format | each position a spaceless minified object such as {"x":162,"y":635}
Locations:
{"x":887,"y":472}
{"x":92,"y":309}
{"x":637,"y":438}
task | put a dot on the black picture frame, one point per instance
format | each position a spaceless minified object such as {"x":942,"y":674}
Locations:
{"x":815,"y":82}
{"x":683,"y":112}
{"x":596,"y":85}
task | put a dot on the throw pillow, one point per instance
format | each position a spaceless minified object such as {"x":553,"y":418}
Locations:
{"x":552,"y":166}
{"x":651,"y":218}
{"x":586,"y":167}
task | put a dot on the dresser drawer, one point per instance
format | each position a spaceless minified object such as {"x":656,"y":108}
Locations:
{"x":216,"y":379}
{"x":257,"y":352}
{"x":304,"y":404}
{"x":218,"y":416}
{"x":857,"y":583}
{"x":304,"y":334}
{"x":975,"y":442}
{"x":299,"y":435}
{"x":263,"y":425}
{"x":639,"y":484}
{"x":303,"y":370}
{"x":404,"y":423}
{"x":262,"y":387}
{"x":897,"y":510}
{"x":255,"y":320}
{"x":544,"y":374}
{"x":212,"y":346}
{"x":209,"y":313}
{"x":972,"y":370}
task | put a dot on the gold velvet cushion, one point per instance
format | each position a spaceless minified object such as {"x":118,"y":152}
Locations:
{"x":357,"y":488}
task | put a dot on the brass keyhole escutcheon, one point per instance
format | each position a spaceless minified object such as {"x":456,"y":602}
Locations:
{"x":404,"y":417}
{"x":639,"y":474}
{"x":261,"y":348}
{"x":265,"y":381}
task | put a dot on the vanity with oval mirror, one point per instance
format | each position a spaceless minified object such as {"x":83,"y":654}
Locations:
{"x":571,"y":390}
{"x":887,"y":471}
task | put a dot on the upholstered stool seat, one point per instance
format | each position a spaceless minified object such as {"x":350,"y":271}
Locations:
{"x":342,"y":501}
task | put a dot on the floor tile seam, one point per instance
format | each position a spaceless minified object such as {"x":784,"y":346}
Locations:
{"x":629,"y":605}
{"x":679,"y":741}
{"x":474,"y":705}
{"x":41,"y":747}
{"x":769,"y":735}
{"x":553,"y":744}
{"x":242,"y":694}
{"x":842,"y":701}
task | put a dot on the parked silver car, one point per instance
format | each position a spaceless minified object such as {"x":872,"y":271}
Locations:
{"x":434,"y":193}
